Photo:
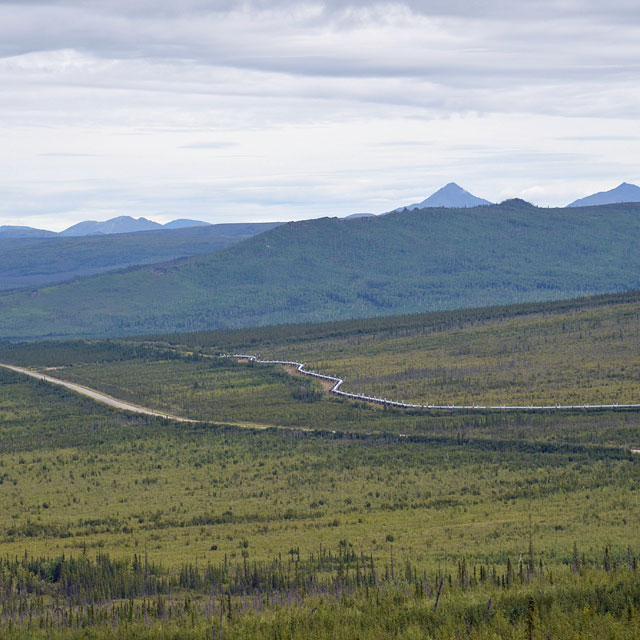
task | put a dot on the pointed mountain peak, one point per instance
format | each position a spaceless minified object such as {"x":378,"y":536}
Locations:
{"x":624,"y":192}
{"x":452,"y":195}
{"x":452,"y":186}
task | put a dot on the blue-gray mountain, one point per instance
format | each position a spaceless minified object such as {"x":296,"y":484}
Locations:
{"x":330,"y":269}
{"x":121,"y":224}
{"x":624,"y":192}
{"x":125,"y":224}
{"x":449,"y":196}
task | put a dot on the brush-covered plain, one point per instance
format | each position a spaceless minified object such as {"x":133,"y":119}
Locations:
{"x":576,"y":352}
{"x":329,"y":518}
{"x":131,"y":526}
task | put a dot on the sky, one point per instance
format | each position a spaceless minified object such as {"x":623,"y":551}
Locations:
{"x":229,"y":112}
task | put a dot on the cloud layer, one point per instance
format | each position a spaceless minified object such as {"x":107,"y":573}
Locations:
{"x":282,"y":110}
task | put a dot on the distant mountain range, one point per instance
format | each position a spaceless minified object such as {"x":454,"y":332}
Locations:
{"x":449,"y":196}
{"x":330,"y":269}
{"x":126,"y":224}
{"x":454,"y":196}
{"x":624,"y":192}
{"x":121,"y":224}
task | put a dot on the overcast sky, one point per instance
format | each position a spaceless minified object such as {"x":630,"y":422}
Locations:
{"x":223,"y":111}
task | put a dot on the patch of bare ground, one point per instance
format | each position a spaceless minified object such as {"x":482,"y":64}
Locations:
{"x":327,"y":385}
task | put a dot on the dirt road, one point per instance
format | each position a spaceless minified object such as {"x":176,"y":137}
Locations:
{"x":94,"y":395}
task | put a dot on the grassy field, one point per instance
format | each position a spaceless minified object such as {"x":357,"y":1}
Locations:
{"x":79,"y":479}
{"x":75,"y":474}
{"x":116,"y":525}
{"x":587,"y":355}
{"x":87,"y":476}
{"x":580,"y":352}
{"x":556,"y":354}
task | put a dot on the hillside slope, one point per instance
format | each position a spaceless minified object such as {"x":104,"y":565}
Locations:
{"x":33,"y":262}
{"x":330,"y":269}
{"x":12,"y":231}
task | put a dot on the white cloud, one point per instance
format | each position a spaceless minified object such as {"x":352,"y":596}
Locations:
{"x":281,"y":110}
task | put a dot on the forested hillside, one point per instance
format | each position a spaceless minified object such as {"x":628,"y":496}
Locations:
{"x":330,"y":269}
{"x":32,"y":262}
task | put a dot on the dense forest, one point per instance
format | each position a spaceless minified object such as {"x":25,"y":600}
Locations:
{"x":34,"y":262}
{"x":331,"y":269}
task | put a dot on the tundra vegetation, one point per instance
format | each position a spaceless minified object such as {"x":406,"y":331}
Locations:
{"x":370,"y":524}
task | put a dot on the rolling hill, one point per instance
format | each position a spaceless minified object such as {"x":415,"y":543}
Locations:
{"x":329,"y":269}
{"x":32,"y":262}
{"x":12,"y":231}
{"x":184,"y":222}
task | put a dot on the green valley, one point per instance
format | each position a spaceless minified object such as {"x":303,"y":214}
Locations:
{"x":274,"y":374}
